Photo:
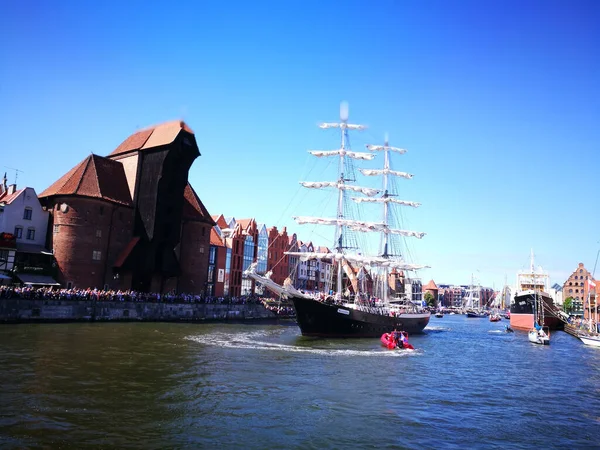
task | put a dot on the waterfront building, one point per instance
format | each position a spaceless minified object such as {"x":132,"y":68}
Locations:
{"x":23,"y":217}
{"x":324,"y":275}
{"x":302,"y":267}
{"x":131,"y":220}
{"x":249,"y":230}
{"x":577,"y":288}
{"x":293,"y":247}
{"x":216,"y":264}
{"x":432,"y":288}
{"x":8,"y":248}
{"x":451,"y":295}
{"x":277,"y":260}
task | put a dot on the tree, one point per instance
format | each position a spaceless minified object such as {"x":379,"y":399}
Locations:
{"x":568,"y":304}
{"x":429,"y":299}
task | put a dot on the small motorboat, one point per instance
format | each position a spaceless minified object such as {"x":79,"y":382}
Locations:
{"x":508,"y":329}
{"x":396,"y":339}
{"x":439,"y":315}
{"x":539,"y":336}
{"x":495,"y":318}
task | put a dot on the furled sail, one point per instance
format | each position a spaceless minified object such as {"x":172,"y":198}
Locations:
{"x":386,"y":200}
{"x":372,"y":172}
{"x":347,"y":187}
{"x":357,"y":225}
{"x":365,"y":260}
{"x":379,"y":148}
{"x":342,"y":152}
{"x":343,"y":125}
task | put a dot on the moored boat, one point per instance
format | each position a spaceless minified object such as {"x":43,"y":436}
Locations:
{"x":532,"y":287}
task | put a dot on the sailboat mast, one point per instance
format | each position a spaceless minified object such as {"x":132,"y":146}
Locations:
{"x":341,"y":181}
{"x":385,"y":236}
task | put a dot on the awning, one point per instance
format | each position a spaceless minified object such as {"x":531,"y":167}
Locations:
{"x":37,"y":280}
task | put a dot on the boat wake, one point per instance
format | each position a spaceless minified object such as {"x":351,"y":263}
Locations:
{"x":429,"y":329}
{"x":255,"y":341}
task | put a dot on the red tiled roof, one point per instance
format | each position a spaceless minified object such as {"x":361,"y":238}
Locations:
{"x":162,"y":134}
{"x":193,"y":209}
{"x":430,"y":286}
{"x":220,"y":220}
{"x":7,"y":198}
{"x":215,"y":239}
{"x":95,"y":176}
{"x":244,"y":223}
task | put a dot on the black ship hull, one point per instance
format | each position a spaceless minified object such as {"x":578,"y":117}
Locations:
{"x":521,"y":312}
{"x":316,"y":318}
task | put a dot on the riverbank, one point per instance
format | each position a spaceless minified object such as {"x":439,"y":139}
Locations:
{"x":20,"y":310}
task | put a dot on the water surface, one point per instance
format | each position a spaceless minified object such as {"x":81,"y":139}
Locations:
{"x":468,"y":384}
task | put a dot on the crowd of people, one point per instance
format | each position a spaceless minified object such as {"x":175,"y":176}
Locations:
{"x":49,"y":293}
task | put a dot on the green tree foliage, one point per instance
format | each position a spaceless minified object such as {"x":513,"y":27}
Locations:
{"x":429,"y":299}
{"x":568,"y":304}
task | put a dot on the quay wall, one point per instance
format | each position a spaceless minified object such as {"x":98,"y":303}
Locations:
{"x":18,"y":310}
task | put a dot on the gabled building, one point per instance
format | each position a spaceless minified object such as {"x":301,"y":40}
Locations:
{"x":216,"y":264}
{"x":22,"y":216}
{"x":577,"y":287}
{"x":131,"y":220}
{"x":293,"y":261}
{"x":233,"y":239}
{"x":277,"y":260}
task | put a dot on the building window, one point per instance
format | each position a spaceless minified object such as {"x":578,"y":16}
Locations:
{"x":27,"y":214}
{"x":55,"y":229}
{"x":70,"y":285}
{"x":96,"y":255}
{"x":31,"y":234}
{"x":18,"y":232}
{"x":98,"y":233}
{"x":201,"y":249}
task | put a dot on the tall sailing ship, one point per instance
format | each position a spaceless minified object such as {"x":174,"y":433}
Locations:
{"x":361,"y":304}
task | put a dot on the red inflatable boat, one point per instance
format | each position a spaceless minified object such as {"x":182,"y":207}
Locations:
{"x":396,"y":339}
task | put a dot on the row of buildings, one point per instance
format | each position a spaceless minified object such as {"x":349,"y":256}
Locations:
{"x":131,"y":220}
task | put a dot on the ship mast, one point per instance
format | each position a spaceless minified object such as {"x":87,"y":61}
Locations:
{"x":339,"y":229}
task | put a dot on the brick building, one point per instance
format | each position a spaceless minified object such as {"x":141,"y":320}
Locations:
{"x":277,"y":260}
{"x":119,"y":221}
{"x":578,"y":288}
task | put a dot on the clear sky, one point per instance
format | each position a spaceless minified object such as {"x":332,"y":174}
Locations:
{"x":498,"y":103}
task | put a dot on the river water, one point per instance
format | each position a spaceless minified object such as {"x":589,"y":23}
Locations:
{"x":468,"y":384}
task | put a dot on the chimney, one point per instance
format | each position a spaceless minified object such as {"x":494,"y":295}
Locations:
{"x":12,"y":189}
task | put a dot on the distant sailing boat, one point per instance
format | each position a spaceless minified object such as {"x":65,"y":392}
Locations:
{"x":355,"y":309}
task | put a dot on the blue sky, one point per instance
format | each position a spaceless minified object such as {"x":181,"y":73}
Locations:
{"x":498,"y":103}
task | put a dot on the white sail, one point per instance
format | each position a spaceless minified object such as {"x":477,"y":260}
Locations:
{"x":358,"y":259}
{"x":357,"y":225}
{"x":372,"y":172}
{"x":386,"y":200}
{"x":380,"y":148}
{"x":347,"y":187}
{"x":342,"y":152}
{"x":343,"y":125}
